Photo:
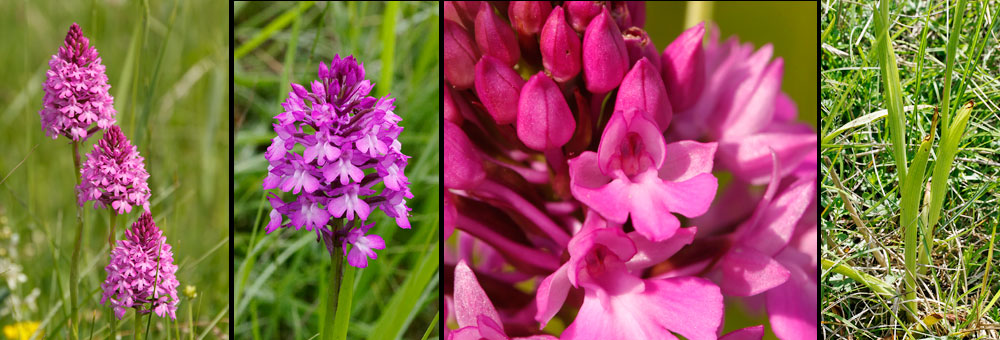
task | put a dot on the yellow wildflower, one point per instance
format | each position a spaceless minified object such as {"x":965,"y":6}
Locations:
{"x":22,"y":330}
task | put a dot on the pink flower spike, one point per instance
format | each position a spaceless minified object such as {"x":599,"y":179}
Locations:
{"x":605,"y":59}
{"x":498,"y":87}
{"x":643,"y":88}
{"x":495,"y":37}
{"x":363,"y":246}
{"x":560,"y":47}
{"x":544,"y":120}
{"x":683,"y":68}
{"x":76,"y":90}
{"x":460,"y":56}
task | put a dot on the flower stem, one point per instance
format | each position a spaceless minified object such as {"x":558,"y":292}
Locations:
{"x":333,"y":293}
{"x":111,"y":233}
{"x":73,"y":271}
{"x":138,"y":324}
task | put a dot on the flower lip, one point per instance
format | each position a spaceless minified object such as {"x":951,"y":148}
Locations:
{"x":631,"y":143}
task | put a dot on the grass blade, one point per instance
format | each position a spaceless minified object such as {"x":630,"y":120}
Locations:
{"x":950,"y":62}
{"x":270,"y":30}
{"x":388,"y":46}
{"x":892,"y":90}
{"x":390,"y":324}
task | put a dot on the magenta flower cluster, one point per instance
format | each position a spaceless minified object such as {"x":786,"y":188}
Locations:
{"x":347,"y":143}
{"x":76,"y":91}
{"x":587,"y":160}
{"x":114,"y":175}
{"x":141,"y":272}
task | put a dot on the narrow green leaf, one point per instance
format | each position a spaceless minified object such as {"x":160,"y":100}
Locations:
{"x":942,"y":168}
{"x":909,"y":206}
{"x":344,"y":301}
{"x":404,"y":301}
{"x":892,"y":90}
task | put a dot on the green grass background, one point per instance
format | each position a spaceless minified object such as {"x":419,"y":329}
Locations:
{"x":280,"y":277}
{"x":861,"y":157}
{"x":167,"y":63}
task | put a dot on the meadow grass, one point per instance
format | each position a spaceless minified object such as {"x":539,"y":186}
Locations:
{"x":167,"y":64}
{"x":280,"y":283}
{"x":868,"y":196}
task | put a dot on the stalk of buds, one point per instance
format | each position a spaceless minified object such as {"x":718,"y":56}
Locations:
{"x":583,"y":157}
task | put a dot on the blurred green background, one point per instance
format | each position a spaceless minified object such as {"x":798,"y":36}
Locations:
{"x":280,"y":282}
{"x":167,"y":64}
{"x":791,"y":26}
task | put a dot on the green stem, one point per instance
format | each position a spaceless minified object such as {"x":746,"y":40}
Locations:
{"x":73,"y":271}
{"x":333,"y":293}
{"x":111,"y":233}
{"x":138,"y":324}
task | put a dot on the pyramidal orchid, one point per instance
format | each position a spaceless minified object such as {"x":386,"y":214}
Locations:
{"x":141,"y":272}
{"x":114,"y":175}
{"x":76,"y":101}
{"x":336,"y":158}
{"x":583,"y":182}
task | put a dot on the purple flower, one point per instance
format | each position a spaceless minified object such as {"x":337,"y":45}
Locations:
{"x":364,"y":246}
{"x":76,"y":90}
{"x":349,"y":145}
{"x":114,"y":175}
{"x":141,"y":272}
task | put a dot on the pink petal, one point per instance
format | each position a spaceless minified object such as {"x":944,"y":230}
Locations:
{"x":551,"y":295}
{"x":651,"y":253}
{"x":791,"y":307}
{"x":784,"y":108}
{"x":489,"y":329}
{"x":544,"y":120}
{"x":753,"y":108}
{"x":623,"y":122}
{"x":466,"y":333}
{"x":749,"y":333}
{"x":692,"y":197}
{"x":685,"y":159}
{"x":591,"y":187}
{"x":688,"y":306}
{"x":747,"y":272}
{"x":778,"y":221}
{"x":749,"y":157}
{"x":356,"y":257}
{"x":470,"y":299}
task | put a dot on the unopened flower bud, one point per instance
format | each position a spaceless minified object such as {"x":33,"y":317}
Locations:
{"x":498,"y":87}
{"x":527,"y":17}
{"x":465,"y":168}
{"x":544,"y":120}
{"x":460,"y":56}
{"x":642,"y":88}
{"x":637,"y":11}
{"x":495,"y":37}
{"x":560,"y":47}
{"x":683,"y":68}
{"x":638,"y":45}
{"x":605,"y":59}
{"x":580,"y":13}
